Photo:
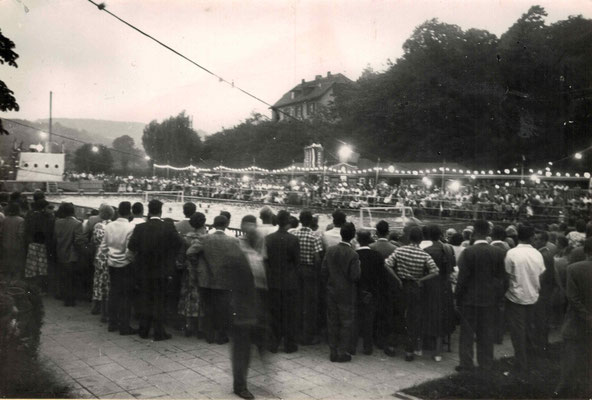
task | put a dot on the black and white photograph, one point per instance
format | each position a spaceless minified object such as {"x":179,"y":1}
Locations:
{"x":296,"y":199}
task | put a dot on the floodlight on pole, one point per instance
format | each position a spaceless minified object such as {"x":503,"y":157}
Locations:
{"x":95,"y":149}
{"x":578,"y":156}
{"x":345,"y":152}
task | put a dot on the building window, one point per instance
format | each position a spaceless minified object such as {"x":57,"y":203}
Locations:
{"x":311,"y":108}
{"x":298,"y":111}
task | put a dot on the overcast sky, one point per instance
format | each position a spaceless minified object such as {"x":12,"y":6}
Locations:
{"x":99,"y":68}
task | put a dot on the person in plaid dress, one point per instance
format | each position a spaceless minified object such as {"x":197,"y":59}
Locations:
{"x":311,"y":247}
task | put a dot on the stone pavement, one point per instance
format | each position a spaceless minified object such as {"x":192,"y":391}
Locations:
{"x":96,"y":363}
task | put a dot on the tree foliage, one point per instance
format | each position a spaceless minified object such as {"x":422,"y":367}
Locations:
{"x":173,"y":141}
{"x":125,"y":151}
{"x":456,"y":95}
{"x":87,"y":160}
{"x":8,"y":56}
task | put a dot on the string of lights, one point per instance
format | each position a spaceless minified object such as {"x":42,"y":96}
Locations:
{"x":388,"y":170}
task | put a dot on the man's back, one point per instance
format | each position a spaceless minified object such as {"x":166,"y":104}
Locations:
{"x":156,"y":243}
{"x":372,"y":270}
{"x":217,"y":250}
{"x":384,"y":247}
{"x":524,"y":265}
{"x":116,"y":239}
{"x":481,"y":270}
{"x":68,"y":238}
{"x":283,"y":253}
{"x":342,"y":264}
{"x":578,"y":320}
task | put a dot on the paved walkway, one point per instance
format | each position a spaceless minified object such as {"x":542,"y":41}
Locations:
{"x":100,"y":364}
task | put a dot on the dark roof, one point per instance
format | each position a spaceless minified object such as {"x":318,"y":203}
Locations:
{"x":311,"y":90}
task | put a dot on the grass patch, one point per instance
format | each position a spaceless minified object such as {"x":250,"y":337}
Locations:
{"x":499,"y":383}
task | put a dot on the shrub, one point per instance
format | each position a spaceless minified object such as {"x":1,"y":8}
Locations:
{"x":21,"y":317}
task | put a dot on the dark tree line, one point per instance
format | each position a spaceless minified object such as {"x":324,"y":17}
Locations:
{"x":464,"y":96}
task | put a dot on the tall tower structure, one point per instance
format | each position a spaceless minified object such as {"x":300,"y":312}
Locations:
{"x":314,"y":156}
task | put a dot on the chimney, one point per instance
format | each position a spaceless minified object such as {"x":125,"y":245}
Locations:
{"x":328,"y":74}
{"x":303,"y":80}
{"x":318,"y":77}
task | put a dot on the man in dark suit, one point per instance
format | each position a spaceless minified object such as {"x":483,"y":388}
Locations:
{"x":543,"y":305}
{"x":372,"y":274}
{"x":154,"y":244}
{"x":342,"y":266}
{"x":576,"y":357}
{"x":388,"y":306}
{"x":481,"y":268}
{"x":283,"y":263}
{"x":214,"y":254}
{"x":69,"y":241}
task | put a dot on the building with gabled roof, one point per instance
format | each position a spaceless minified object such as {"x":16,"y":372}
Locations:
{"x":307,"y":98}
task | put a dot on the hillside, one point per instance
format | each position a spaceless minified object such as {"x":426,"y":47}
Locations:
{"x":103,"y":131}
{"x":30,"y":136}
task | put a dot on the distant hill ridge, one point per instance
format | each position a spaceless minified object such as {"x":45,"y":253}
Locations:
{"x":104,"y":131}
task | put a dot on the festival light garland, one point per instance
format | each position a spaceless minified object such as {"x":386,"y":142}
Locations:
{"x":390,"y":170}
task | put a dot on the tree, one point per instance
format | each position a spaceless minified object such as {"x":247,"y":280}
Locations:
{"x":87,"y":160}
{"x":7,"y":100}
{"x":173,"y":141}
{"x":125,"y":151}
{"x":458,"y":95}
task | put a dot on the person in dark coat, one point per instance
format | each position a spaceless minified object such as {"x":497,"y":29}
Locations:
{"x":481,"y":274}
{"x":498,"y":236}
{"x":342,"y":266}
{"x":39,"y":225}
{"x":212,"y":256}
{"x":576,"y":357}
{"x":438,"y":302}
{"x":283,"y":263}
{"x":543,"y":308}
{"x":368,"y":295}
{"x":12,"y":243}
{"x":388,"y":310}
{"x":154,"y":244}
{"x":69,"y":241}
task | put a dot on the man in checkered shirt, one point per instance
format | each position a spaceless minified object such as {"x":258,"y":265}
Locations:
{"x":310,"y":262}
{"x":413,"y":266}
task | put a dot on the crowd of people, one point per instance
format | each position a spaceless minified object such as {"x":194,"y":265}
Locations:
{"x":283,"y":282}
{"x":491,"y":199}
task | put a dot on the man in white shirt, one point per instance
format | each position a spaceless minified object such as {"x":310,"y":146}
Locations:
{"x":332,"y":237}
{"x":266,"y":216}
{"x":117,"y":235}
{"x":524,"y":265}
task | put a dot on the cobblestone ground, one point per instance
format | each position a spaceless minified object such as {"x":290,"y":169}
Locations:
{"x":96,"y":363}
